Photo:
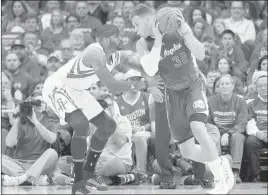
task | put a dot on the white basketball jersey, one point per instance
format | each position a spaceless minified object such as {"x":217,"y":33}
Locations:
{"x":76,"y":75}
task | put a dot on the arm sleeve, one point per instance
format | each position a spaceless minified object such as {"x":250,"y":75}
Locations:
{"x":150,"y":61}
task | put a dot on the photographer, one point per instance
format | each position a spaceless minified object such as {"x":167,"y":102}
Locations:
{"x":32,"y":133}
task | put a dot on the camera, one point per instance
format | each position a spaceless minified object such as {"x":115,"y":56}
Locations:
{"x":26,"y":108}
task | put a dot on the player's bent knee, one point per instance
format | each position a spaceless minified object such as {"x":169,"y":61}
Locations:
{"x":78,"y":121}
{"x":105,"y":124}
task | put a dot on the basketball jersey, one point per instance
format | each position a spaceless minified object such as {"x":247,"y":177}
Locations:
{"x":176,"y":65}
{"x":138,"y":113}
{"x":76,"y":75}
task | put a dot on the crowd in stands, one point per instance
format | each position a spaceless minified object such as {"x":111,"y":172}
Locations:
{"x":39,"y":37}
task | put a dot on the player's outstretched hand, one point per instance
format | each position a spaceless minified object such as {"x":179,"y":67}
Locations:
{"x":157,"y":94}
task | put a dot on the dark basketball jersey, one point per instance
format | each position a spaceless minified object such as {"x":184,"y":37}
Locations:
{"x":137,"y":114}
{"x":176,"y":65}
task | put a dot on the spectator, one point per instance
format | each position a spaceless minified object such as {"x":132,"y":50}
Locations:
{"x":261,"y":37}
{"x":28,"y":63}
{"x":196,"y":13}
{"x":99,"y":9}
{"x":77,"y":37}
{"x":260,"y":64}
{"x":34,"y":48}
{"x":218,"y":28}
{"x":52,"y":35}
{"x":38,"y":89}
{"x":238,"y":24}
{"x":116,"y":158}
{"x":126,"y":10}
{"x":228,"y":112}
{"x":33,"y":156}
{"x":72,"y":22}
{"x":23,"y":81}
{"x":87,"y":22}
{"x":45,"y":17}
{"x":7,"y":102}
{"x":257,"y":125}
{"x":52,"y":65}
{"x":211,"y":77}
{"x":259,"y":51}
{"x":228,"y":49}
{"x":31,"y":24}
{"x":199,"y":28}
{"x":66,"y":51}
{"x":135,"y":106}
{"x":16,"y":16}
{"x":226,"y":66}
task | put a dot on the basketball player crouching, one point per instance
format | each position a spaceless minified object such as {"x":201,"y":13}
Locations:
{"x":66,"y":93}
{"x":171,"y":57}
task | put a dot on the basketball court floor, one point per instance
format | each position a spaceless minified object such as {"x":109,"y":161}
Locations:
{"x":244,"y":188}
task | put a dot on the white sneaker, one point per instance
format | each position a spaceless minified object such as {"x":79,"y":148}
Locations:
{"x":228,"y":173}
{"x":10,"y":180}
{"x":220,"y":187}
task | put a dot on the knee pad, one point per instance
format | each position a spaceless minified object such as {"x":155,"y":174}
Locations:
{"x":79,"y":122}
{"x":105,"y":124}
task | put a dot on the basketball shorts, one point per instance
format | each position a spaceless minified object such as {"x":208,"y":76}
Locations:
{"x":180,"y":105}
{"x":62,"y":99}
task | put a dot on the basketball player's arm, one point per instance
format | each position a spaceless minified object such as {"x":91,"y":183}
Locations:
{"x":195,"y":46}
{"x":97,"y":61}
{"x":131,"y":59}
{"x":149,"y":60}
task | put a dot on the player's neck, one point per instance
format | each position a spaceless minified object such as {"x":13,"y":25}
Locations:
{"x":107,"y":52}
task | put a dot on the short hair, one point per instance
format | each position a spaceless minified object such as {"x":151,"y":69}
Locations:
{"x":140,"y":10}
{"x":228,"y":76}
{"x":228,"y":31}
{"x":74,"y":16}
{"x":31,"y":16}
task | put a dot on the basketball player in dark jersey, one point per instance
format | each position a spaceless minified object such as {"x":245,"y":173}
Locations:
{"x":172,"y":57}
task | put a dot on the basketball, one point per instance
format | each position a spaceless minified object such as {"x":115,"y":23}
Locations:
{"x":167,"y":18}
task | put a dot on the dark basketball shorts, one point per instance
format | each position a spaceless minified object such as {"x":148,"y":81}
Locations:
{"x":180,"y":105}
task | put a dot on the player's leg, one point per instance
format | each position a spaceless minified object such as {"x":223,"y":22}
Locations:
{"x":105,"y":128}
{"x":197,"y":111}
{"x":63,"y":102}
{"x":162,"y":139}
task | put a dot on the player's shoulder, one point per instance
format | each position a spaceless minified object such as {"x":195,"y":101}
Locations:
{"x":95,"y":48}
{"x":94,"y":52}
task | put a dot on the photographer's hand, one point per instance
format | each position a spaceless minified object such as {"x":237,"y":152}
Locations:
{"x":33,"y":118}
{"x":47,"y":133}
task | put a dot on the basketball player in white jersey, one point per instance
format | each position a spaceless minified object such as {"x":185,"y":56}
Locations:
{"x":65,"y":92}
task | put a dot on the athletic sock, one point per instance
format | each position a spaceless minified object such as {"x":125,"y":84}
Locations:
{"x":92,"y":159}
{"x":123,"y":179}
{"x":78,"y":171}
